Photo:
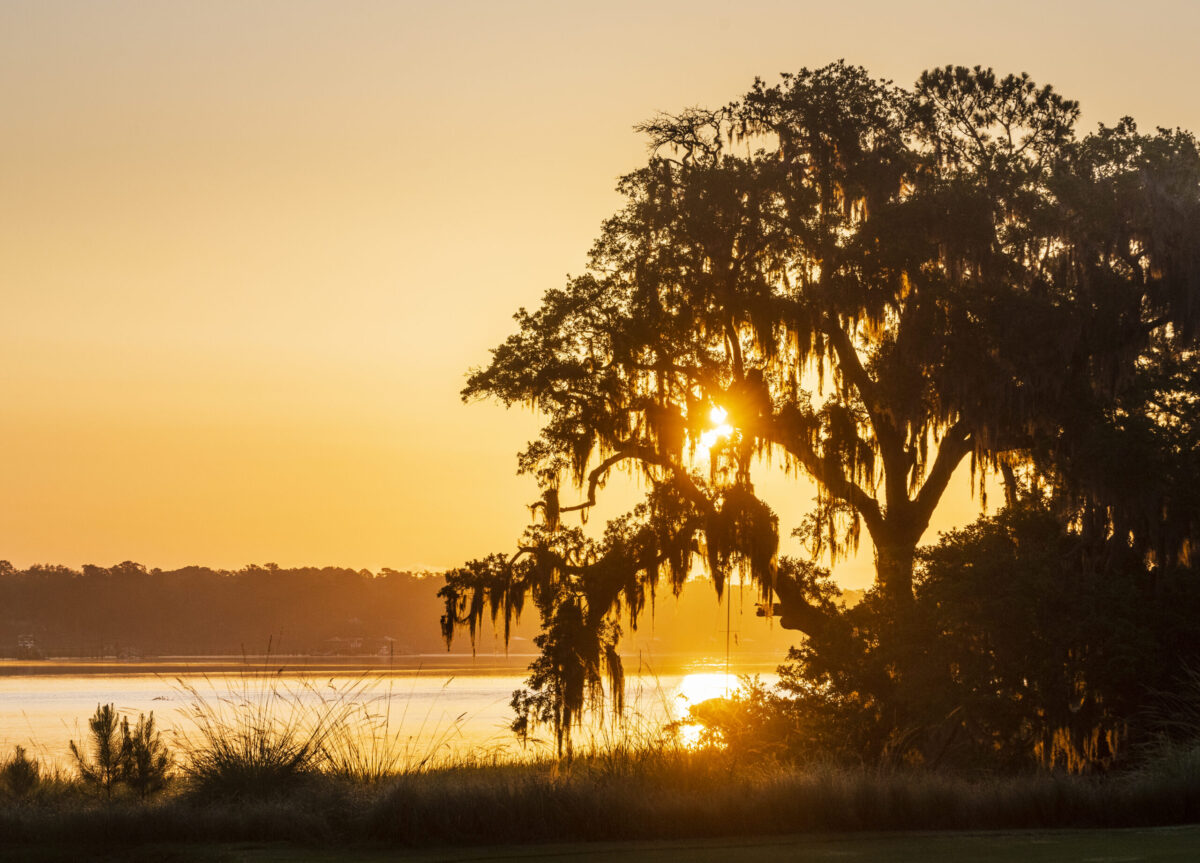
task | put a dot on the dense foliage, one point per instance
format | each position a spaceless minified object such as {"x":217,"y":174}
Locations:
{"x":870,"y":286}
{"x":1033,"y":645}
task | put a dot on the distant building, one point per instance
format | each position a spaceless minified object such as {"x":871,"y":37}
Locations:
{"x":341,"y":646}
{"x":27,"y":647}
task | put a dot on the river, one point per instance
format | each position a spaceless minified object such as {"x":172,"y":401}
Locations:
{"x":424,"y":709}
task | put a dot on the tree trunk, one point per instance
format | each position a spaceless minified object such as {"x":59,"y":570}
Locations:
{"x":895,"y":553}
{"x":895,"y":550}
{"x":894,"y":570}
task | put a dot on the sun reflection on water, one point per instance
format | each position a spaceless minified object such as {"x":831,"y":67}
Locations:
{"x":696,"y":689}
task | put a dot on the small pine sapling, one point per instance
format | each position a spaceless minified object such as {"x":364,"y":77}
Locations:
{"x":146,"y":760}
{"x":103,"y":768}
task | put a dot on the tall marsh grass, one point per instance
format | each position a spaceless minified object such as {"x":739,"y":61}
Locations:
{"x":264,"y":733}
{"x":373,"y":745}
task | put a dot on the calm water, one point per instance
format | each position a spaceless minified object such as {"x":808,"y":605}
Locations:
{"x":443,"y":706}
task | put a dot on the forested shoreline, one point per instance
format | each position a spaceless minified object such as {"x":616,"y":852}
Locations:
{"x":129,"y":611}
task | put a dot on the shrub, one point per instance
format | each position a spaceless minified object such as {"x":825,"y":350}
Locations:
{"x":752,"y":722}
{"x":20,"y":775}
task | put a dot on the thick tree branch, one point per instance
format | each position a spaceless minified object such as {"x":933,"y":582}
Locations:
{"x":540,"y":551}
{"x":955,"y":445}
{"x":829,"y":476}
{"x":856,"y":373}
{"x":889,"y":438}
{"x":793,"y":610}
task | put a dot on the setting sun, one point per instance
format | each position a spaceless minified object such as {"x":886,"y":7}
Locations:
{"x":697,"y":688}
{"x":720,"y":430}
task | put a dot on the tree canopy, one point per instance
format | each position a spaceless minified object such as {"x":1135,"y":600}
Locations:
{"x":864,"y":283}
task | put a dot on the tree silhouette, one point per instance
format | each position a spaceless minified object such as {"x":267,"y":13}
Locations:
{"x":147,"y":760}
{"x":865,"y":284}
{"x":104,"y":769}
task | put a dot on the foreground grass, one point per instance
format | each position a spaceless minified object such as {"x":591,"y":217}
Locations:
{"x":320,"y":772}
{"x":641,"y":796}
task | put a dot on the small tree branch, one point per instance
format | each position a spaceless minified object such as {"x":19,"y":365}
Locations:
{"x":597,"y":474}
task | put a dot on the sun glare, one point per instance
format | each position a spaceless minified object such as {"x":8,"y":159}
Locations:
{"x":720,"y":429}
{"x":696,"y":689}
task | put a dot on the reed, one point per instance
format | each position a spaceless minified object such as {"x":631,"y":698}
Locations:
{"x":264,"y":732}
{"x":371,"y":744}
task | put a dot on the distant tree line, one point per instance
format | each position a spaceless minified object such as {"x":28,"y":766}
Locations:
{"x":130,"y":611}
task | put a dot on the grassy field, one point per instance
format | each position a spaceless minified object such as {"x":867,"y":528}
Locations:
{"x":1158,"y":845}
{"x":643,"y":798}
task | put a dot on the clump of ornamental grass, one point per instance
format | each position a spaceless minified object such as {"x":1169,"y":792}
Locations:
{"x":373,"y":742}
{"x":1167,"y":777}
{"x":265,"y":733}
{"x":630,"y":743}
{"x":1174,"y":715}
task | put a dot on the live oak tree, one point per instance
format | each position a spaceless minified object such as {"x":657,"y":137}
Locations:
{"x":865,"y":284}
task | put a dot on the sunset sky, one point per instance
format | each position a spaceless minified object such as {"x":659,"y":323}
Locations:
{"x":249,"y":250}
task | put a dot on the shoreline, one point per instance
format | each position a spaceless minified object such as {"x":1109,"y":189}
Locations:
{"x":406,"y":666}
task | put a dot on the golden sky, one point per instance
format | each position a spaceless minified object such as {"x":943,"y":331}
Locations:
{"x":248,"y":250}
